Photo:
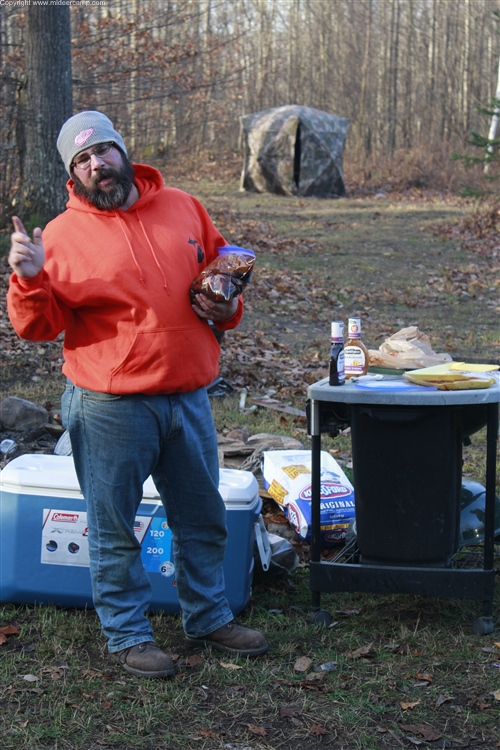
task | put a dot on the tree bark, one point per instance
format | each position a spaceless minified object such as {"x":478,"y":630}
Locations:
{"x":44,"y":103}
{"x":494,"y":123}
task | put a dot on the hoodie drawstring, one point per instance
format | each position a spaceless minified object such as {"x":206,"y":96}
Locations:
{"x":138,"y":265}
{"x":153,"y":252}
{"x":141,"y":277}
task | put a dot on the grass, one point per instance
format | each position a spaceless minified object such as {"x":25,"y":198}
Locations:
{"x":422,"y":668}
{"x":405,"y":670}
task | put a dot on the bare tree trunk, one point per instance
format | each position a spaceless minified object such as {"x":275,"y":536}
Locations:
{"x":494,"y":122}
{"x":393,"y":76}
{"x":466,"y":67}
{"x":408,"y":108}
{"x":44,"y":103}
{"x":364,"y":121}
{"x":432,"y":70}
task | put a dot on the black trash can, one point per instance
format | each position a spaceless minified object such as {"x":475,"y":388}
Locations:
{"x":407,"y":474}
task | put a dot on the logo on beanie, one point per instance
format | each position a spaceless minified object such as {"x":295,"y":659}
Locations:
{"x":83,"y":136}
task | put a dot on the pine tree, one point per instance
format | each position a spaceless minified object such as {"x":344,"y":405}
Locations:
{"x":487,"y":147}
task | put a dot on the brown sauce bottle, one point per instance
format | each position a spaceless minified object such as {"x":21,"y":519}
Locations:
{"x":355,"y":352}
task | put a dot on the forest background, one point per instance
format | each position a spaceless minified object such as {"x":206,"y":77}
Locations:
{"x":176,"y":75}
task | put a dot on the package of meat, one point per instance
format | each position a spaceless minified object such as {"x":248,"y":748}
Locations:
{"x":226,"y":276}
{"x":287,"y":479}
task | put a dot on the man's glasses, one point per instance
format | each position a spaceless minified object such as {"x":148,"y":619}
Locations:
{"x":83,"y":162}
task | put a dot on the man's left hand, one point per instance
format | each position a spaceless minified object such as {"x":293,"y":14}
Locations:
{"x":216,"y":311}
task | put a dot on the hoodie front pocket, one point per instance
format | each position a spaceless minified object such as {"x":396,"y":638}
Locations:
{"x":165,"y":360}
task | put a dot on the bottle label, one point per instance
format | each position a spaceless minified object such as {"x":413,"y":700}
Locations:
{"x":341,"y":366}
{"x":354,"y":360}
{"x":337,"y":366}
{"x":354,"y":328}
{"x":337,"y":328}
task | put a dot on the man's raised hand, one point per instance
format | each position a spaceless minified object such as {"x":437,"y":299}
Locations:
{"x":26,"y":258}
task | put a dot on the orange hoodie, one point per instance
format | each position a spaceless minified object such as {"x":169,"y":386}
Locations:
{"x":117,"y":283}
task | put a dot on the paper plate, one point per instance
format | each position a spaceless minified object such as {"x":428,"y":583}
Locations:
{"x":447,"y":378}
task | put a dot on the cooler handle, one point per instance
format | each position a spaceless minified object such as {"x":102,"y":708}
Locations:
{"x":263,"y":545}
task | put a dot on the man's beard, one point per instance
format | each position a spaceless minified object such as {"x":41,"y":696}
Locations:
{"x":107,"y":200}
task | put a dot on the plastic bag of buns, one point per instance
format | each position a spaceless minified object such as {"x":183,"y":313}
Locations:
{"x":407,"y":349}
{"x":226,"y":276}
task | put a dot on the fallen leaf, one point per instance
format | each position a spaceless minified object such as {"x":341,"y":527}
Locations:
{"x":443,"y":699}
{"x":405,"y":705}
{"x":302,"y":664}
{"x":7,"y":630}
{"x":89,"y":674}
{"x":362,"y":651}
{"x":427,"y":732}
{"x":228,"y":665}
{"x":55,"y":673}
{"x":194,"y":660}
{"x":403,"y":650}
{"x":317,"y":730}
{"x":254,"y":729}
{"x":29,"y":677}
{"x":315,"y":676}
{"x":496,"y":695}
{"x":289,"y":711}
{"x":208,"y":733}
{"x":424,"y":676}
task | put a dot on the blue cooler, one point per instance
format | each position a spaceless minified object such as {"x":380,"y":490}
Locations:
{"x":44,"y":556}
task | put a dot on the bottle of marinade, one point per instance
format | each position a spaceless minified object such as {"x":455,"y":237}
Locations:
{"x":337,"y":371}
{"x":356,"y":353}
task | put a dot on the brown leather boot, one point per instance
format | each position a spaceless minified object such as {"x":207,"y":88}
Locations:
{"x":234,"y":639}
{"x":145,"y":660}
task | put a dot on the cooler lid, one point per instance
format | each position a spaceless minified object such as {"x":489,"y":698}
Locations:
{"x":239,"y":489}
{"x":48,"y":474}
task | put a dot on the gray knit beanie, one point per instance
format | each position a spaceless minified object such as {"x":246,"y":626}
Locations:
{"x":83,"y":130}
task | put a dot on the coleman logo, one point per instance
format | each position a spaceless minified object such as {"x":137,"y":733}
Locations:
{"x":327,"y":490}
{"x":65,"y":517}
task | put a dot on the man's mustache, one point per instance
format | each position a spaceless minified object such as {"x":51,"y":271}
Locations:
{"x":103,"y":174}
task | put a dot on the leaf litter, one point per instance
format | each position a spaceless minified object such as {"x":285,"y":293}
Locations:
{"x":263,"y":359}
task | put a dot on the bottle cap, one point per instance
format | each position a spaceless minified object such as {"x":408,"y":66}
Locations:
{"x":337,"y":330}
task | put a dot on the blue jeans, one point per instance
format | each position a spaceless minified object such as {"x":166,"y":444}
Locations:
{"x":118,"y":442}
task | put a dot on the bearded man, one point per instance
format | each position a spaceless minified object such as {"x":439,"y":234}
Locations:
{"x":113,"y":272}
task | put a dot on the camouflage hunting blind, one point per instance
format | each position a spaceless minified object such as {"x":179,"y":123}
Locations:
{"x":294,"y":150}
